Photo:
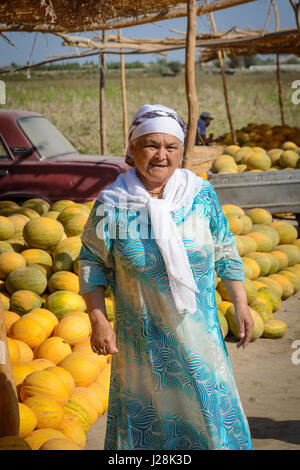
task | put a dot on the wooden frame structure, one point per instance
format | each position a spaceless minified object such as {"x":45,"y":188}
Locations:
{"x":59,"y":17}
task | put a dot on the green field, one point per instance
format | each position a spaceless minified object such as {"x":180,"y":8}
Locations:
{"x":71,"y":101}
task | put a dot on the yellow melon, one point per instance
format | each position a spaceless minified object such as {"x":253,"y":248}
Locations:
{"x":286,"y":231}
{"x":221,"y":162}
{"x":27,"y":420}
{"x":84,"y":400}
{"x":43,"y":233}
{"x":255,"y":268}
{"x":48,"y":411}
{"x":225,"y":304}
{"x":7,"y":228}
{"x":262,"y":310}
{"x":286,"y":284}
{"x":281,"y":257}
{"x":272,"y":295}
{"x":274,"y":329}
{"x":13,"y":443}
{"x":23,"y":301}
{"x":5,"y":301}
{"x":37,"y":256}
{"x":75,"y":225}
{"x":293,"y":278}
{"x":5,"y":247}
{"x":13,"y":350}
{"x":26,"y":353}
{"x":289,"y":159}
{"x":262,"y":260}
{"x":55,"y":349}
{"x":78,"y":413}
{"x":235,"y":223}
{"x":83,"y":368}
{"x":28,"y":330}
{"x":45,"y":317}
{"x":60,"y":205}
{"x":292,"y":252}
{"x":258,"y":161}
{"x":103,"y":378}
{"x":41,"y":364}
{"x":73,"y":328}
{"x":64,"y":375}
{"x":59,"y":444}
{"x":249,"y":244}
{"x":73,"y":431}
{"x":223,"y":324}
{"x":20,"y":371}
{"x":9,"y":319}
{"x":247,"y":224}
{"x":39,"y":436}
{"x":63,"y":280}
{"x":9,"y":262}
{"x":259,"y":216}
{"x":43,"y":382}
{"x":64,"y":301}
{"x":233,"y":209}
{"x":263,"y":242}
{"x":103,"y":394}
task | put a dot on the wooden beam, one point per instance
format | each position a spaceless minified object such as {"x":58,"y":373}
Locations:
{"x":190,"y":84}
{"x":174,"y":12}
{"x":221,"y":62}
{"x":279,"y":89}
{"x":102,"y":63}
{"x":124,"y":99}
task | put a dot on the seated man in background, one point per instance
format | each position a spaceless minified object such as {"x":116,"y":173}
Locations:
{"x":203,"y":122}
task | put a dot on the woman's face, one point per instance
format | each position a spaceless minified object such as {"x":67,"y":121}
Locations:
{"x":156,"y":156}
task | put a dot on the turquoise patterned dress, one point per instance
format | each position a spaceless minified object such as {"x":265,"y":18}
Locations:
{"x":172,"y":386}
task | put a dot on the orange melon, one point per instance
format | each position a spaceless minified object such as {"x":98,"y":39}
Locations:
{"x":78,"y":413}
{"x":59,"y":444}
{"x":55,"y":349}
{"x":37,"y":256}
{"x":43,"y":382}
{"x":65,"y":376}
{"x":102,"y":393}
{"x":23,"y":301}
{"x":13,"y":350}
{"x":49,"y":412}
{"x":73,"y":328}
{"x":9,"y":319}
{"x":9,"y":262}
{"x":28,"y":330}
{"x":84,"y":400}
{"x":26,"y":353}
{"x":39,"y":436}
{"x":20,"y":371}
{"x":73,"y":431}
{"x":27,"y":420}
{"x":45,"y":317}
{"x":83,"y":368}
{"x":63,"y":280}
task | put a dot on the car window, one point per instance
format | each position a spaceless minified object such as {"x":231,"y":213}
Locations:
{"x":3,"y":153}
{"x":46,"y":138}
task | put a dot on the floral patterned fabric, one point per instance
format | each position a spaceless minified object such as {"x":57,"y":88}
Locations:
{"x":172,"y":385}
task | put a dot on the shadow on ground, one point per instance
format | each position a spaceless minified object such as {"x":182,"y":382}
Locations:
{"x":266,"y":428}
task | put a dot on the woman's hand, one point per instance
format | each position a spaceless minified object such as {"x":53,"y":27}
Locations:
{"x":243,"y":317}
{"x":245,"y":324}
{"x":103,"y":337}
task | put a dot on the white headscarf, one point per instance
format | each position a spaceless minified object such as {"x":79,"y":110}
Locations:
{"x":180,"y":190}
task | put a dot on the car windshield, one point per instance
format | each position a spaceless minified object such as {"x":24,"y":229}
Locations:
{"x":45,"y":137}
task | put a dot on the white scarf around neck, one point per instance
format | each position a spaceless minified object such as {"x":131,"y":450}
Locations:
{"x":180,"y":190}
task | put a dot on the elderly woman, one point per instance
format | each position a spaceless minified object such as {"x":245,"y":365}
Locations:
{"x":156,"y":236}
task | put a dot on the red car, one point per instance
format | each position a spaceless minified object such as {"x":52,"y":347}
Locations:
{"x":36,"y":160}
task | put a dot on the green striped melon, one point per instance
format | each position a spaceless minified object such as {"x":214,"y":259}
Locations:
{"x":64,"y":301}
{"x":23,"y":301}
{"x":26,"y":278}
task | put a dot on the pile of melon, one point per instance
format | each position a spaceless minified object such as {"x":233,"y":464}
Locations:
{"x":264,"y":135}
{"x":270,"y":252}
{"x":62,"y":385}
{"x":236,"y":159}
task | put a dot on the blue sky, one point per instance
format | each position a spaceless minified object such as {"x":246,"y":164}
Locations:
{"x":251,"y":15}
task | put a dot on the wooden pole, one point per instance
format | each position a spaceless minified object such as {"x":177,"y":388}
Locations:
{"x":190,"y":84}
{"x":225,"y":91}
{"x":9,"y":407}
{"x":102,"y":63}
{"x":124,"y":99}
{"x":279,"y":89}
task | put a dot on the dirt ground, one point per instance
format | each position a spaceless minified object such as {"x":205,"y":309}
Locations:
{"x":267,"y":374}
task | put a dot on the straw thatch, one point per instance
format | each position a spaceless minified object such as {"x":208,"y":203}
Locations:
{"x":279,"y":42}
{"x":85,"y":15}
